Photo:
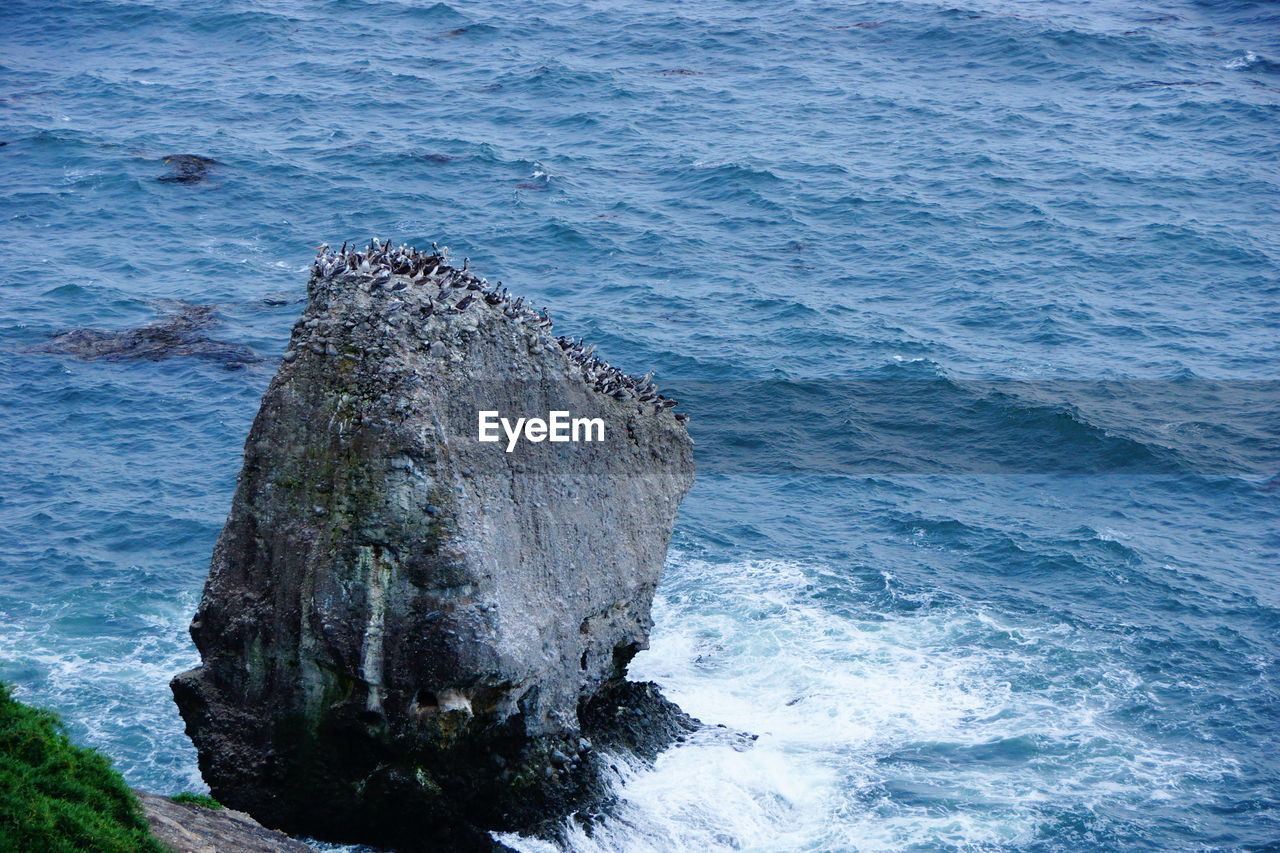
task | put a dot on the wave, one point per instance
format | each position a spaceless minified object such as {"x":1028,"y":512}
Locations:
{"x":1250,"y":61}
{"x":947,"y":728}
{"x":108,"y":674}
{"x":911,"y":417}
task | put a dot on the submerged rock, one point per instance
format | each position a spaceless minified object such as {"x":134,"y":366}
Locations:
{"x":180,"y":334}
{"x":411,"y":637}
{"x":186,"y":168}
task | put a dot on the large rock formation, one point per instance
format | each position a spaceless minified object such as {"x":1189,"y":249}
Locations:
{"x":410,"y":636}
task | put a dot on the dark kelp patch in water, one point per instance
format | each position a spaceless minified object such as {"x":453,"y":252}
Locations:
{"x":179,"y":334}
{"x":186,"y":168}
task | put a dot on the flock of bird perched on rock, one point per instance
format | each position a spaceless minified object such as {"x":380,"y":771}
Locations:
{"x":380,"y":266}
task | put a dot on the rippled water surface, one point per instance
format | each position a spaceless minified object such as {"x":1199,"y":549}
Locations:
{"x":837,"y":231}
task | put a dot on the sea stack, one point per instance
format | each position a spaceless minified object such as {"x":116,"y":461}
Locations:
{"x":411,"y":637}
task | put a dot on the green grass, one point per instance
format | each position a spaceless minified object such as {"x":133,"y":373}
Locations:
{"x":56,"y":797}
{"x":191,"y":799}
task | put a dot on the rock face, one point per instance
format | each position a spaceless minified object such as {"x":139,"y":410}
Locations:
{"x":409,"y":636}
{"x":186,"y":828}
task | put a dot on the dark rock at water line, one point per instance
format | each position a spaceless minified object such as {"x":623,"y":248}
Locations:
{"x":186,"y":168}
{"x":634,"y":717}
{"x":179,"y":334}
{"x":409,"y":637}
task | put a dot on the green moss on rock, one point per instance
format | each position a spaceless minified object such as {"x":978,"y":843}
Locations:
{"x":202,"y":800}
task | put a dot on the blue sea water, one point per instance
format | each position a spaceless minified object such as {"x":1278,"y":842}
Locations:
{"x":975,"y":306}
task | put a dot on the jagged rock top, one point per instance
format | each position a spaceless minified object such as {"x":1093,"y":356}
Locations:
{"x":420,"y":287}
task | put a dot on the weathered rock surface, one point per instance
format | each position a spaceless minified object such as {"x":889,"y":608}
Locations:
{"x":186,"y":828}
{"x":410,"y":637}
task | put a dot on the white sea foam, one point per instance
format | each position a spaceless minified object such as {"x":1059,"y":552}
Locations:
{"x":877,"y":731}
{"x":113,"y":691}
{"x":916,"y":725}
{"x":1245,"y":60}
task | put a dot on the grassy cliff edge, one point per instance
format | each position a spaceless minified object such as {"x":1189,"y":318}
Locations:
{"x":56,"y":796}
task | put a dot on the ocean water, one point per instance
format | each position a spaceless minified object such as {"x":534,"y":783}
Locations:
{"x":975,"y":306}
